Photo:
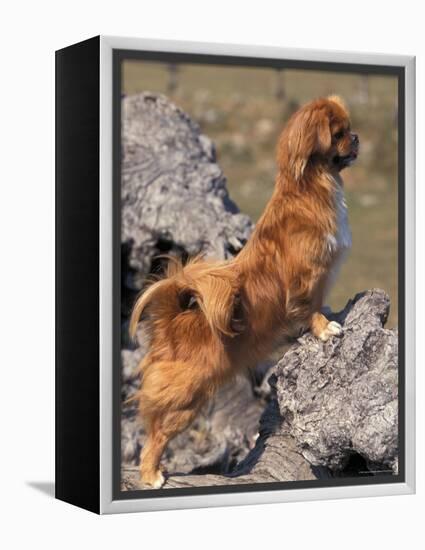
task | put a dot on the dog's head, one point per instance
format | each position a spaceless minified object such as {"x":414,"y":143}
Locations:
{"x":318,"y":134}
{"x":198,"y":301}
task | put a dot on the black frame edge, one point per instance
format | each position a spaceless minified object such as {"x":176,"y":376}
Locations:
{"x":77,"y":95}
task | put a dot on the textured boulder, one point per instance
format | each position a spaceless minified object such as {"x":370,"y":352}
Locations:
{"x":341,"y":398}
{"x":169,"y":167}
{"x":335,"y":403}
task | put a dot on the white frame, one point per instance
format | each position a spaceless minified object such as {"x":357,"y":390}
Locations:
{"x":107,"y":504}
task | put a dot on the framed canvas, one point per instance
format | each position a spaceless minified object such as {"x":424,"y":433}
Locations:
{"x":234,"y":274}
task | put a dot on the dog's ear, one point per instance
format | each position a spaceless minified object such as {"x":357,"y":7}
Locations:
{"x":307,"y":132}
{"x":324,"y":137}
{"x":221,"y":304}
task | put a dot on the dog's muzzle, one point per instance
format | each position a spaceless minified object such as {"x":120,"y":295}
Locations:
{"x":346,"y":160}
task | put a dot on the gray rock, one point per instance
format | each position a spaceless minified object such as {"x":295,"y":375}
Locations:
{"x":341,"y":397}
{"x":169,"y":167}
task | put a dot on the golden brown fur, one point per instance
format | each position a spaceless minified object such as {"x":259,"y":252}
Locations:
{"x":208,"y":320}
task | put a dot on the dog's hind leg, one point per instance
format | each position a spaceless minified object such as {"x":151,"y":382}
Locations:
{"x":150,"y":457}
{"x":160,"y":433}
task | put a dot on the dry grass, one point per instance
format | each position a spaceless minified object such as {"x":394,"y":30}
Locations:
{"x":243,"y":111}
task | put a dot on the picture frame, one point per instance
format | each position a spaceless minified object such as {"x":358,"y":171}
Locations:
{"x":88,"y":273}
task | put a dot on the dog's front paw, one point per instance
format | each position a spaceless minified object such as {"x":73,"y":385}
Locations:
{"x":332,"y":329}
{"x":155,"y":480}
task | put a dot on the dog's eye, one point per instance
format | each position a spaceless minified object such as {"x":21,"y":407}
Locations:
{"x":187,"y":300}
{"x":339,"y":134}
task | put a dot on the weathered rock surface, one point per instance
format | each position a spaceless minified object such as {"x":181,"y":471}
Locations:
{"x":169,"y":167}
{"x":334,"y":402}
{"x":341,"y":397}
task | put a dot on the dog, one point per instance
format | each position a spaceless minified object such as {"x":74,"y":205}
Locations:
{"x":210,"y":320}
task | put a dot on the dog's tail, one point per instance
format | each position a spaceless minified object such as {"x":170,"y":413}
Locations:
{"x":141,"y":303}
{"x":205,"y":288}
{"x":156,"y":288}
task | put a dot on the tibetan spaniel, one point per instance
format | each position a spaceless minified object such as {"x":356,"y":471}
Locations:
{"x":209,"y":320}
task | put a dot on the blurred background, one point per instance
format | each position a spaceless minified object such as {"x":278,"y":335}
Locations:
{"x":243,"y":110}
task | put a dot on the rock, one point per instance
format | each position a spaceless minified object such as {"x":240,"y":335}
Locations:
{"x":274,"y":458}
{"x":340,"y":398}
{"x":335,"y":405}
{"x":169,"y":167}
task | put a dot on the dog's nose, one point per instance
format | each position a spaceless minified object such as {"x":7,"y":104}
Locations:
{"x":354,"y":139}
